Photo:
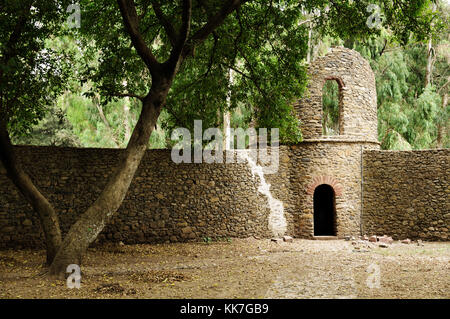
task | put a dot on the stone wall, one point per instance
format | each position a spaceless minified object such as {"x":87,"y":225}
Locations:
{"x":403,"y":194}
{"x":166,"y":202}
{"x":406,"y":194}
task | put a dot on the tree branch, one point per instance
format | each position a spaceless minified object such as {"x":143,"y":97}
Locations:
{"x":176,"y":58}
{"x":168,"y":27}
{"x":214,"y":22}
{"x":131,"y":21}
{"x":445,"y":85}
{"x":305,"y":21}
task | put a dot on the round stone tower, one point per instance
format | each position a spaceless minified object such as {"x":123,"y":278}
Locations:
{"x":327,"y":171}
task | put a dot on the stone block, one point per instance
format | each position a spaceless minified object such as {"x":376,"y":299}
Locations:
{"x":27,"y":222}
{"x":288,"y":239}
{"x":385,"y":240}
{"x":186,"y":230}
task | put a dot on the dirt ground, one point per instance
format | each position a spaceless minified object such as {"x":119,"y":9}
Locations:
{"x":240,"y":268}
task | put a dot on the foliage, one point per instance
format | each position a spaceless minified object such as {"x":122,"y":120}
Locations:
{"x":330,"y":106}
{"x":264,"y":43}
{"x":110,"y":131}
{"x":408,"y":112}
{"x":54,"y":129}
{"x":32,"y":74}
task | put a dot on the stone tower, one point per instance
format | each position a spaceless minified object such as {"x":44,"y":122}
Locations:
{"x":328,"y":172}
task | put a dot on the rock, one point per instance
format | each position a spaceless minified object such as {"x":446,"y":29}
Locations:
{"x":386,"y":240}
{"x":186,"y":230}
{"x":373,"y":239}
{"x":276,"y":240}
{"x":365,"y":238}
{"x":347,"y":238}
{"x":121,"y":243}
{"x":383,"y":245}
{"x":27,"y":222}
{"x":406,"y":241}
{"x":420,"y":243}
{"x":288,"y":239}
{"x":192,"y":236}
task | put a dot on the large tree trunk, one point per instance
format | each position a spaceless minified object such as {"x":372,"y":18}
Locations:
{"x":92,"y":222}
{"x":47,"y":215}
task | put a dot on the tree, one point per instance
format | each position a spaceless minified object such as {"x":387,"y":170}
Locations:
{"x":53,"y":129}
{"x":183,"y":44}
{"x":198,"y":42}
{"x":31,"y":76}
{"x":412,"y":112}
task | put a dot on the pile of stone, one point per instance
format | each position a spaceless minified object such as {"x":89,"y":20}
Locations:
{"x":381,"y":241}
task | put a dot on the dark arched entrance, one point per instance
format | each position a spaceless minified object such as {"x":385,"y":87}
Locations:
{"x":324,"y":211}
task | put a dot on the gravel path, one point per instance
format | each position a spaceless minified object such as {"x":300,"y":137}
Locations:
{"x":242,"y":268}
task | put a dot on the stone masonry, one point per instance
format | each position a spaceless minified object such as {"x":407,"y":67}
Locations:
{"x":401,"y":194}
{"x":406,"y":194}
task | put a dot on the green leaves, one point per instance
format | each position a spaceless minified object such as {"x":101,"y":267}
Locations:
{"x":263,"y":44}
{"x":263,"y":48}
{"x":32,"y":72}
{"x":330,"y":106}
{"x":409,"y":114}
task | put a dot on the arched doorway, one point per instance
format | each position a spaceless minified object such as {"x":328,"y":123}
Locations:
{"x":324,"y":211}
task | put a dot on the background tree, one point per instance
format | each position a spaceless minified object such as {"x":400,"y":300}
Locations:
{"x":31,"y":76}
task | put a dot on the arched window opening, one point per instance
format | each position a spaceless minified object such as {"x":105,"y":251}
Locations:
{"x":331,"y":102}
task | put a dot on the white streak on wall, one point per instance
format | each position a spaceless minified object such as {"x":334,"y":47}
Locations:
{"x":277,"y":220}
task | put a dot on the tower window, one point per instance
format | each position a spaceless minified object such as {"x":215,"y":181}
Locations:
{"x":331,"y":98}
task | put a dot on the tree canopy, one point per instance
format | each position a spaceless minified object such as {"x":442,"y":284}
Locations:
{"x":263,"y":42}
